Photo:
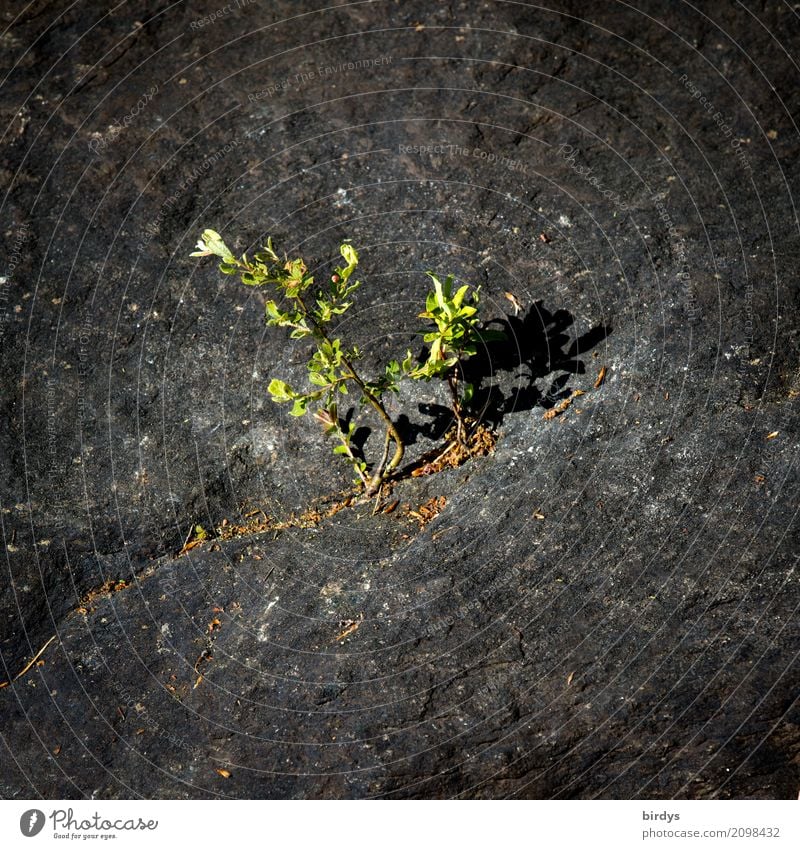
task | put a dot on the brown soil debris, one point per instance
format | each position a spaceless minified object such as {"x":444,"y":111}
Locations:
{"x":481,"y":442}
{"x":429,"y":510}
{"x":259,"y":522}
{"x":104,"y":591}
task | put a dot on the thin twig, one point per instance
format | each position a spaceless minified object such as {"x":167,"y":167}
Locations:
{"x":378,"y":499}
{"x":343,"y":439}
{"x":442,"y":454}
{"x":390,"y":425}
{"x":452,"y":381}
{"x":30,"y":664}
{"x":378,"y":476}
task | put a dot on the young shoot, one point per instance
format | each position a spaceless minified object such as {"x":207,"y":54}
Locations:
{"x":455,"y":335}
{"x":309,"y":309}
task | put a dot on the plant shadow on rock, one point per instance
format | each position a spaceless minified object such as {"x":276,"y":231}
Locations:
{"x":505,"y":373}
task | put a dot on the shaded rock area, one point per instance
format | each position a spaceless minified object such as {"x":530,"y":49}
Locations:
{"x":606,"y":606}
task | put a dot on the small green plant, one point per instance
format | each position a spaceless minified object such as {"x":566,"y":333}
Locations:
{"x":455,"y":336}
{"x":310,"y":309}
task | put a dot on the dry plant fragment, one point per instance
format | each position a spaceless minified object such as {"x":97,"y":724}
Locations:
{"x":350,"y":626}
{"x":196,"y":535}
{"x":600,"y":377}
{"x":429,"y":510}
{"x":514,"y":301}
{"x":480,"y":443}
{"x":31,"y":663}
{"x":104,"y":591}
{"x":562,"y":406}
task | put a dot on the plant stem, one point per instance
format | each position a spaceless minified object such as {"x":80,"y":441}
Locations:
{"x":343,"y":439}
{"x":452,"y":382}
{"x":391,"y":430}
{"x":382,"y":465}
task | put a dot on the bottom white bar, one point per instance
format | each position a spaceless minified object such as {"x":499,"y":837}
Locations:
{"x":379,"y":824}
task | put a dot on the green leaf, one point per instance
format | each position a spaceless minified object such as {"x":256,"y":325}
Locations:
{"x":324,"y":312}
{"x":269,"y":249}
{"x":351,"y":258}
{"x":299,"y":407}
{"x":211,"y":243}
{"x":458,"y":298}
{"x":280,"y":391}
{"x":438,"y":295}
{"x":273,"y":312}
{"x":340,"y":449}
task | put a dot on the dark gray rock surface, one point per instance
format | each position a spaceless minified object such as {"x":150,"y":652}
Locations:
{"x":640,"y":640}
